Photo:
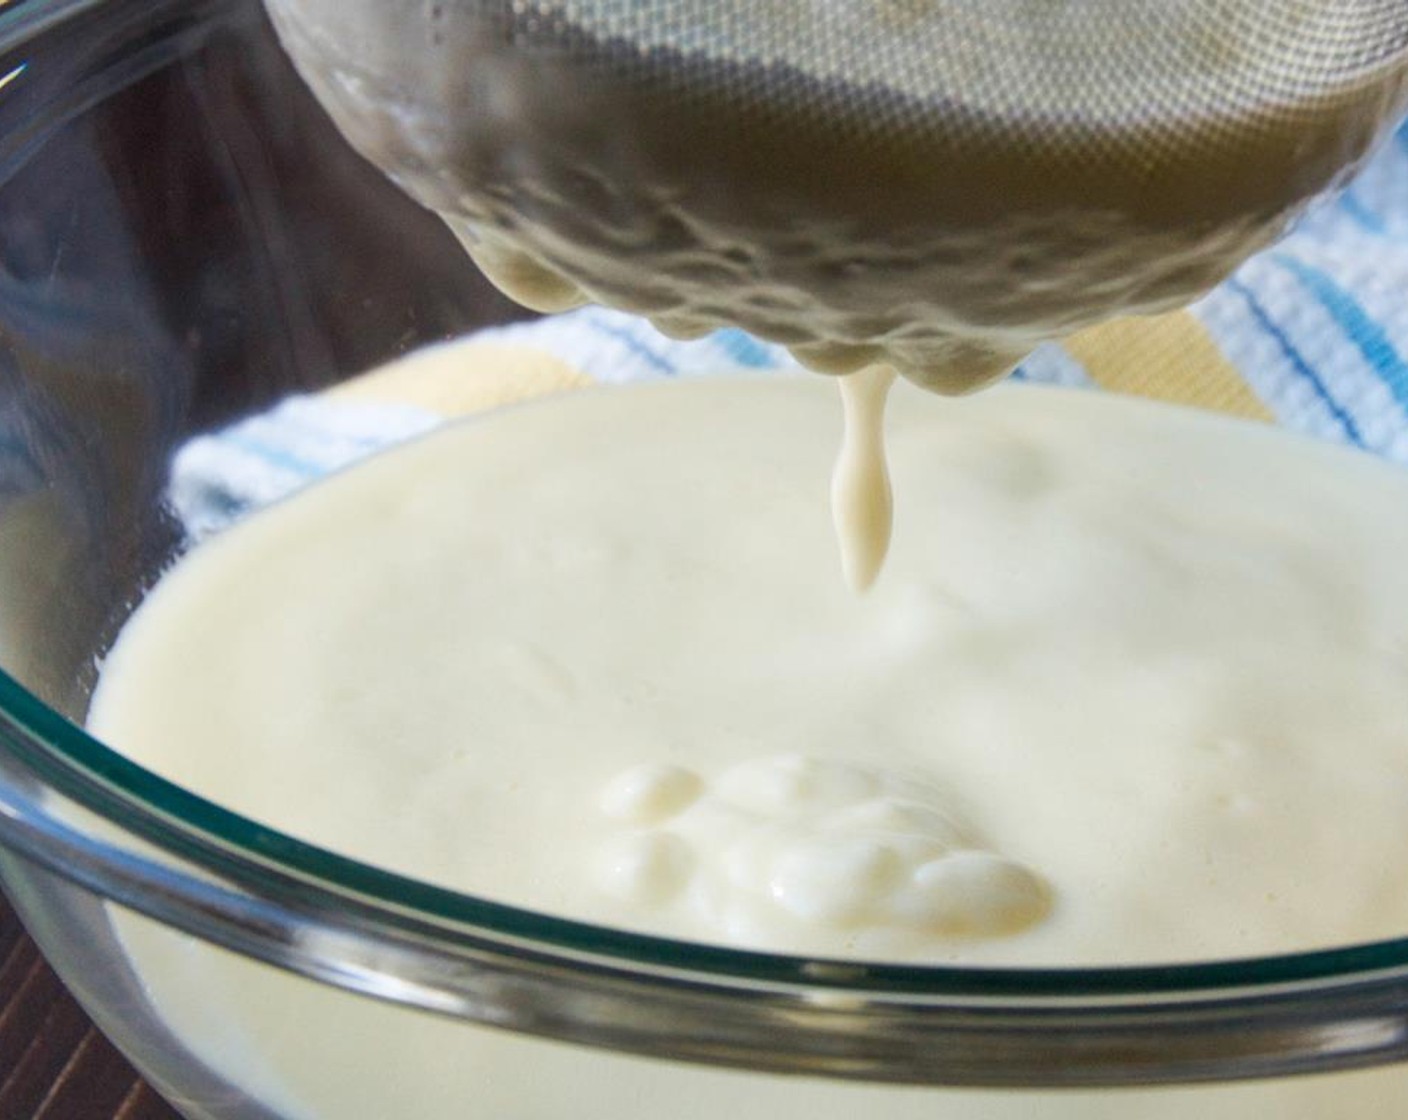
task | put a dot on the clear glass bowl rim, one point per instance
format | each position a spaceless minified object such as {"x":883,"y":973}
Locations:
{"x":265,"y":864}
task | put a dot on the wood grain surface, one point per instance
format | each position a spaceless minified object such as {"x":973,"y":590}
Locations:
{"x":54,"y":1063}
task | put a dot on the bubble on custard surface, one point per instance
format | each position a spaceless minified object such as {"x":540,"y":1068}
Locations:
{"x":834,"y":880}
{"x":794,"y":783}
{"x":972,"y":894}
{"x":650,"y":794}
{"x":647,"y":869}
{"x":795,"y":841}
{"x":899,"y":817}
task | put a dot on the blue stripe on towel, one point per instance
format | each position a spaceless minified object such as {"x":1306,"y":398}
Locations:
{"x":744,"y":349}
{"x":1368,"y":336}
{"x":277,"y":455}
{"x":633,"y":343}
{"x":1355,"y":209}
{"x":1296,"y":358}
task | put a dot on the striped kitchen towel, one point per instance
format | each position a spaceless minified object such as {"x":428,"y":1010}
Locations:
{"x":1311,"y":335}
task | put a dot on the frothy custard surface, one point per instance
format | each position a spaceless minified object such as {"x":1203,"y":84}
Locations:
{"x":1131,"y":688}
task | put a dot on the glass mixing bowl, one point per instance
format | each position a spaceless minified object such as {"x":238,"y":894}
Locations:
{"x":185,"y":240}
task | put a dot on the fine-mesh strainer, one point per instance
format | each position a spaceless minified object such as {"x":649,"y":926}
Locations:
{"x":934,"y":183}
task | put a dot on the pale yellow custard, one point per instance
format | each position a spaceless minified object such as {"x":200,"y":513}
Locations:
{"x":1128,"y":675}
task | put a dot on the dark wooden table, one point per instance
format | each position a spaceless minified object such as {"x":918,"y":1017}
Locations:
{"x":54,"y":1064}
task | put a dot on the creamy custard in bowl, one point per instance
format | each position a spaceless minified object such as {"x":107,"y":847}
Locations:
{"x":1127,"y":675}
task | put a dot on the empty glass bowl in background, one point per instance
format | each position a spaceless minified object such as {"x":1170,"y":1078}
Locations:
{"x":185,"y":240}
